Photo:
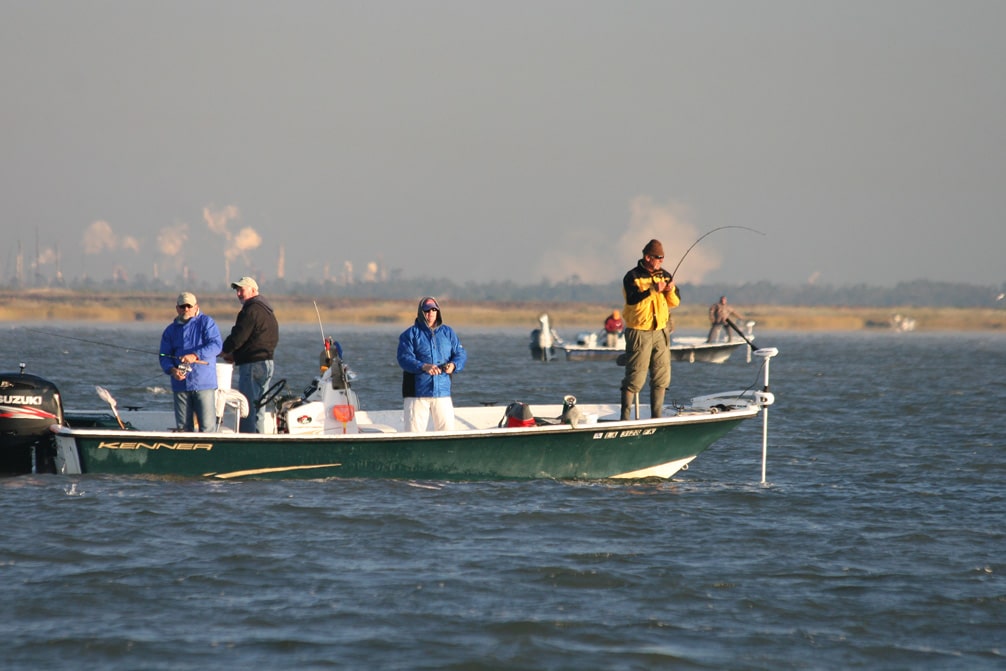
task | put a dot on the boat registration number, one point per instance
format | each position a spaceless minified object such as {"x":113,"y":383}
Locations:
{"x":625,"y":433}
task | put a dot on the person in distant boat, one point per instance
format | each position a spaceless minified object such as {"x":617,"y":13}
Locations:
{"x":719,"y":313}
{"x":650,"y":294}
{"x":613,"y":327}
{"x":250,"y":347}
{"x":429,"y":353}
{"x":189,"y":348}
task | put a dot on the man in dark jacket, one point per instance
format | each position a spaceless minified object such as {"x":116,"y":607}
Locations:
{"x":250,"y":347}
{"x":429,"y":353}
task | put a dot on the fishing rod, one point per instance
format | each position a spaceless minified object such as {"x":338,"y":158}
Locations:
{"x":719,"y":228}
{"x":328,"y":347}
{"x":105,"y":344}
{"x":741,"y":334}
{"x":330,"y":343}
{"x":318,"y":312}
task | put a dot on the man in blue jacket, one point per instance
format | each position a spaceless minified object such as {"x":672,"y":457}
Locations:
{"x":189,"y":348}
{"x":429,"y":353}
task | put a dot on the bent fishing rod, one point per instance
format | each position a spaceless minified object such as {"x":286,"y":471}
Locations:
{"x":105,"y":344}
{"x":702,"y":237}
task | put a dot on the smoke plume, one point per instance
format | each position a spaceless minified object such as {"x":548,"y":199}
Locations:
{"x":245,"y":241}
{"x":217,"y":219}
{"x":597,"y":258}
{"x":99,"y":237}
{"x":171,"y":239}
{"x":236,"y":245}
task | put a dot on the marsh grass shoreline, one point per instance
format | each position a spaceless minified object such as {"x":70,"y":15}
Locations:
{"x":40,"y":306}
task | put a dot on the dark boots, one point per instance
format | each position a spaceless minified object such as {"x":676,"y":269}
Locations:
{"x":628,"y":399}
{"x":657,"y":402}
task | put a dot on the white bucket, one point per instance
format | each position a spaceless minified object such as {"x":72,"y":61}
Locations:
{"x":225,"y":371}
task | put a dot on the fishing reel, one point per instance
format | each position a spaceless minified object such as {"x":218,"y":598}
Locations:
{"x":184,"y":368}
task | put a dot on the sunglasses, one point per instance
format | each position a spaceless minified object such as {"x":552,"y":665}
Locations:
{"x":658,"y":258}
{"x":430,"y":310}
{"x":184,"y":306}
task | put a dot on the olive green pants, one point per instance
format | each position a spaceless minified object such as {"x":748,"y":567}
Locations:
{"x":647,"y":352}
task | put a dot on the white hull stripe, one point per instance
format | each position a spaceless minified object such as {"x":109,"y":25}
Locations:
{"x":660,"y":471}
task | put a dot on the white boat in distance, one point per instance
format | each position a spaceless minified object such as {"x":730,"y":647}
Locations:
{"x":590,"y":347}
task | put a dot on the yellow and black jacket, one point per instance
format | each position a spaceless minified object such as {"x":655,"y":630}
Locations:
{"x":645,"y":308}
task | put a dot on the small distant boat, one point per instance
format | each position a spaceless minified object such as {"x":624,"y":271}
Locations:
{"x":690,"y":349}
{"x":898,"y":323}
{"x":902,"y":323}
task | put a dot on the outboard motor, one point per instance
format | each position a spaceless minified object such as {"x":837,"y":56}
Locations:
{"x":517,"y":414}
{"x":28,"y":406}
{"x":543,"y":340}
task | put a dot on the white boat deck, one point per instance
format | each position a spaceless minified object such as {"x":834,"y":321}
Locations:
{"x":467,"y":418}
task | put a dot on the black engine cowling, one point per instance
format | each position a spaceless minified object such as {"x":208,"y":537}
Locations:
{"x":28,"y":406}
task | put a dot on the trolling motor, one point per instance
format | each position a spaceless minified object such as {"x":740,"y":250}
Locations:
{"x":28,"y":406}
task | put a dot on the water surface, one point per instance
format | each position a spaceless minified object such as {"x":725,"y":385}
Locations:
{"x":877,"y":542}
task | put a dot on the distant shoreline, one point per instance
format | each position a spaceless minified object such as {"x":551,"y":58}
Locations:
{"x":36,"y":306}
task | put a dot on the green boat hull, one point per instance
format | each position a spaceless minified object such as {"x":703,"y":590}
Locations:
{"x":650,"y":448}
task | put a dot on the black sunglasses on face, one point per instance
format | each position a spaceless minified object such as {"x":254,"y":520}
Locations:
{"x":184,"y":306}
{"x":430,"y":310}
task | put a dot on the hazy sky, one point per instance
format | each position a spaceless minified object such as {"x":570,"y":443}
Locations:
{"x":506,"y":140}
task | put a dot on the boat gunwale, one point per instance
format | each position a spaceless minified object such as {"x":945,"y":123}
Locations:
{"x":684,"y":417}
{"x":681,"y":347}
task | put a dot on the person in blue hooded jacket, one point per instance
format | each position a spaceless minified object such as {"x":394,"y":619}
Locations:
{"x":189,"y":348}
{"x":429,"y":353}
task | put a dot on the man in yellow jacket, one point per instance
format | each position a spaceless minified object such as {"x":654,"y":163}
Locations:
{"x":650,"y":295}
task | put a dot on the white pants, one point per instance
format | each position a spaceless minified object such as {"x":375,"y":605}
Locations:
{"x":419,"y":410}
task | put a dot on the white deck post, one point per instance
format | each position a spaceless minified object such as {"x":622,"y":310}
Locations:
{"x":766,"y":400}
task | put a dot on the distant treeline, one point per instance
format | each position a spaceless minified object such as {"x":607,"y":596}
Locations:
{"x":918,"y":293}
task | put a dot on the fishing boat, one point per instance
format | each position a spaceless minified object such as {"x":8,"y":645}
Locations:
{"x":897,"y":323}
{"x":323,"y":433}
{"x":690,"y":349}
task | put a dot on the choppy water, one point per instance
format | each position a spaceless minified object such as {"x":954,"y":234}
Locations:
{"x":878,"y":542}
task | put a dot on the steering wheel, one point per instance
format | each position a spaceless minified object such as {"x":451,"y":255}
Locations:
{"x":271,"y":393}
